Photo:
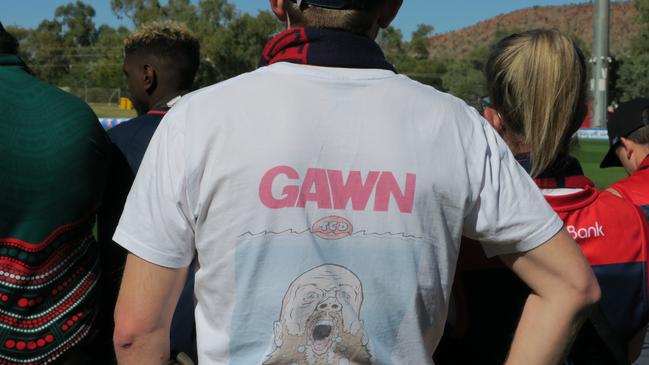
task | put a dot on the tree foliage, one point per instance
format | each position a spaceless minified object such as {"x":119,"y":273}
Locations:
{"x":631,"y":71}
{"x":78,"y":26}
{"x":45,"y":51}
{"x":70,"y":50}
{"x":391,"y":41}
{"x":420,"y":43}
{"x":138,"y":11}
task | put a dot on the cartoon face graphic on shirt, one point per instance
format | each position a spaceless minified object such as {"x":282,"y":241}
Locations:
{"x":320,"y":320}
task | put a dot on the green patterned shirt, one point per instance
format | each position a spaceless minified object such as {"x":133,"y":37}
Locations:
{"x":54,"y":158}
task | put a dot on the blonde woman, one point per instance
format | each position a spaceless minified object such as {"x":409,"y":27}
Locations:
{"x":538,"y":85}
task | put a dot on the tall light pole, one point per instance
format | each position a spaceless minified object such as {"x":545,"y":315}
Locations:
{"x":601,"y":62}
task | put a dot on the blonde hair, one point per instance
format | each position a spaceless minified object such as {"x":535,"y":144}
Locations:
{"x":537,"y":82}
{"x":354,"y":21}
{"x":153,"y":32}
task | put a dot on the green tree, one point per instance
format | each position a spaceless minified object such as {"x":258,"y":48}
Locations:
{"x":640,"y":44}
{"x":465,"y":80}
{"x":21,"y":34}
{"x":216,"y":12}
{"x":108,"y":67}
{"x":138,"y":11}
{"x":235,"y":49}
{"x":78,"y":25}
{"x":45,"y":51}
{"x":633,"y":76}
{"x":213,"y":12}
{"x":420,"y":41}
{"x":181,"y":11}
{"x":631,"y":71}
{"x":391,"y":41}
{"x":423,"y":69}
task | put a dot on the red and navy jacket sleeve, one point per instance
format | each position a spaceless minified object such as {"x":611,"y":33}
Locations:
{"x":614,"y":237}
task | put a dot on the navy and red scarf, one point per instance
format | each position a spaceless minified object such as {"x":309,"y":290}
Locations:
{"x":324,"y":47}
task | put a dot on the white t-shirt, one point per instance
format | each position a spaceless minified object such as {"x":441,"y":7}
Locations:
{"x":326,"y":207}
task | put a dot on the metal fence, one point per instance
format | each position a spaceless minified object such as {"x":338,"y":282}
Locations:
{"x":108,"y":96}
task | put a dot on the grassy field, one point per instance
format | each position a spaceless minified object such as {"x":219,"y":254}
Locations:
{"x":111,"y":111}
{"x":590,"y":154}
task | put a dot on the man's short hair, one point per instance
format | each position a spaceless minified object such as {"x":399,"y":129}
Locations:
{"x":8,"y":43}
{"x":355,"y":21}
{"x":173,"y":45}
{"x":640,"y":135}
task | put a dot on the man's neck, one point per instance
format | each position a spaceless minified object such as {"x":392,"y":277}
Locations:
{"x":161,"y":102}
{"x":643,"y":155}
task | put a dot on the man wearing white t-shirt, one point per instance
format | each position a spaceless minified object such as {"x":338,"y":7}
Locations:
{"x":324,"y":196}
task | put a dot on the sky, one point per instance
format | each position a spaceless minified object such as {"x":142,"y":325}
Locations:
{"x":444,"y":16}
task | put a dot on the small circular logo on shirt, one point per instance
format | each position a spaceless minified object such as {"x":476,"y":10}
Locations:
{"x":332,"y":228}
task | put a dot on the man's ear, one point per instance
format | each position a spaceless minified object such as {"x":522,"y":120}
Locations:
{"x":277,"y":6}
{"x":389,"y":11}
{"x":493,"y":117}
{"x":629,"y":147}
{"x":149,"y":78}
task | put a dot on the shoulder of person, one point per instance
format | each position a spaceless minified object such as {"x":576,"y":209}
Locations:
{"x":219,"y":91}
{"x":619,"y":207}
{"x":132,"y":126}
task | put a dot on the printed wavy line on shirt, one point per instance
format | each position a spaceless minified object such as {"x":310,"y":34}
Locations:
{"x":384,"y":234}
{"x":357,"y":233}
{"x":272,"y":233}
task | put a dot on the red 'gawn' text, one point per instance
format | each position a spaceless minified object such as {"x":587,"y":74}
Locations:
{"x":329,"y":189}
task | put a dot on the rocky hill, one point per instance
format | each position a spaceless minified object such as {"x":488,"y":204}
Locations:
{"x":575,"y":20}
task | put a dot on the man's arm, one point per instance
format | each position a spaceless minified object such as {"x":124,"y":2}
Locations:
{"x":145,"y":306}
{"x":563,"y":288}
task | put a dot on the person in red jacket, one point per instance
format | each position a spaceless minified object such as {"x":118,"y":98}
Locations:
{"x":537,"y":107}
{"x":628,"y":132}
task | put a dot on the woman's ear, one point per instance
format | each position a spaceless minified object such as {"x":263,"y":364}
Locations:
{"x":494,"y":118}
{"x":629,"y":147}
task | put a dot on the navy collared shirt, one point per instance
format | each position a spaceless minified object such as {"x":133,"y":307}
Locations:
{"x":132,"y":137}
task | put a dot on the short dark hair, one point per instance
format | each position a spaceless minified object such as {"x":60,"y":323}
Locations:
{"x":171,"y":43}
{"x":640,"y":135}
{"x":351,"y":20}
{"x":8,"y":43}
